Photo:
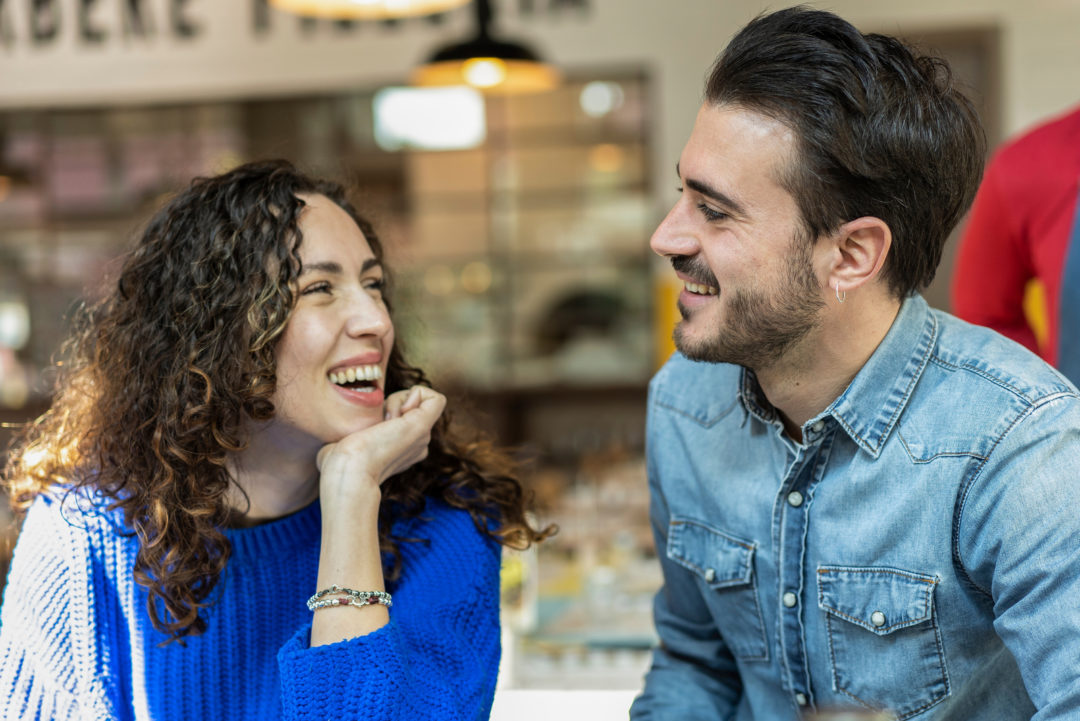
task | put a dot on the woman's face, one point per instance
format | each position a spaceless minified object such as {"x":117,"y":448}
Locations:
{"x":331,"y":359}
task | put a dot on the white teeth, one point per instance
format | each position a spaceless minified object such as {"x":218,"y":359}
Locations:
{"x":701,"y":289}
{"x":356,"y":373}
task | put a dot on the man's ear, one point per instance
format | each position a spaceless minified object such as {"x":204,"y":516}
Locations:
{"x":861,"y":246}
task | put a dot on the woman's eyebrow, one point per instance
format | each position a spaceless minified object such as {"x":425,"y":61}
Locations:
{"x":334,"y":268}
{"x":328,"y":266}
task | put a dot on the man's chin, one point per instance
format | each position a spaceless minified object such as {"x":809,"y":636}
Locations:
{"x":696,"y":349}
{"x":684,"y":312}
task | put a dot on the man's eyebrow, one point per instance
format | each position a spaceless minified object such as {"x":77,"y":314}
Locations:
{"x":731,"y":206}
{"x":334,"y":268}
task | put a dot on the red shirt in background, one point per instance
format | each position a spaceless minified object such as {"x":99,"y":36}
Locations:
{"x":1019,"y":230}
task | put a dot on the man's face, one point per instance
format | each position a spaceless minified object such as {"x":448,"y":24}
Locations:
{"x":734,"y":238}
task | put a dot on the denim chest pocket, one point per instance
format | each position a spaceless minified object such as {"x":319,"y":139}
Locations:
{"x":884,"y":643}
{"x":724,"y":565}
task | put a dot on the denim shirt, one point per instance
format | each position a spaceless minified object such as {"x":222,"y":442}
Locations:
{"x":918,"y":552}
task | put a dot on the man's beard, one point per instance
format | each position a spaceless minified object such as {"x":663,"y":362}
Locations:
{"x":759,"y":328}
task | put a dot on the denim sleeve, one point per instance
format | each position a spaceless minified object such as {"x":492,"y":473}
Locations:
{"x":693,"y":674}
{"x":1019,"y":541}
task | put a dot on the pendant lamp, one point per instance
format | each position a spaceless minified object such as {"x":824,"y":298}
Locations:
{"x":487,"y":63}
{"x":366,"y":9}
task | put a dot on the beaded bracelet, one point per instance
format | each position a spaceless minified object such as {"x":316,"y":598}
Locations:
{"x":351,"y":598}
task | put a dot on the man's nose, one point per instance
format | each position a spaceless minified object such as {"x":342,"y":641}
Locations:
{"x":673,"y":236}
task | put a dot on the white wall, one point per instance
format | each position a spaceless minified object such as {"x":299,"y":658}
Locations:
{"x":675,"y":40}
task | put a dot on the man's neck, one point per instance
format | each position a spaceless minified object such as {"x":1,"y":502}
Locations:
{"x":820,"y":367}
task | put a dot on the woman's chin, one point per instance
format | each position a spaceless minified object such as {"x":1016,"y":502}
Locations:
{"x":354,"y":427}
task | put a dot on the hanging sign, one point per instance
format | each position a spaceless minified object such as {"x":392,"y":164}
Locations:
{"x":71,"y":52}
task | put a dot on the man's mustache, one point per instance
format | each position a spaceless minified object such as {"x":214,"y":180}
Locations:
{"x":696,"y":268}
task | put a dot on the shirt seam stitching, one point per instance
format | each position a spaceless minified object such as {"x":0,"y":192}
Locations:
{"x":979,"y":474}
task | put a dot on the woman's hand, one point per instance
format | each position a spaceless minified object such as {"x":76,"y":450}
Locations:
{"x":350,"y":473}
{"x":357,"y":465}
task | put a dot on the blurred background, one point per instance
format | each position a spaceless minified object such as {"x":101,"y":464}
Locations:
{"x":515,"y":196}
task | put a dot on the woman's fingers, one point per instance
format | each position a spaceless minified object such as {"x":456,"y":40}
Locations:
{"x":396,"y":402}
{"x":413,"y":399}
{"x":412,"y":424}
{"x":401,"y":402}
{"x":430,"y":403}
{"x":392,"y":446}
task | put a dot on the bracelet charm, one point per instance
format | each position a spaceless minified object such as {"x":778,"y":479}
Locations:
{"x":340,"y":596}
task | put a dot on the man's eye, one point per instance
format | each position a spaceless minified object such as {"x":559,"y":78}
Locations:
{"x":321,"y":287}
{"x":711,"y":214}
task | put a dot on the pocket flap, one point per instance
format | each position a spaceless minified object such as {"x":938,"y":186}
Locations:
{"x":880,"y":600}
{"x":720,"y":559}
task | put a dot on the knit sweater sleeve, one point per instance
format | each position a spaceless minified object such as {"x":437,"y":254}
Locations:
{"x":437,"y":658}
{"x":50,"y":663}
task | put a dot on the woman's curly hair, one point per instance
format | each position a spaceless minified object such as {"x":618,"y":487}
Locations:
{"x":163,"y":376}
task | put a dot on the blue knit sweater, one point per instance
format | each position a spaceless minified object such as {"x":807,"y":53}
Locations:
{"x":76,"y":642}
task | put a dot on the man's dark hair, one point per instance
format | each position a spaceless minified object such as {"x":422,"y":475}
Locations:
{"x":881,"y":131}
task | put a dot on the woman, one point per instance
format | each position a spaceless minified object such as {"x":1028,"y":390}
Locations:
{"x":243,"y":503}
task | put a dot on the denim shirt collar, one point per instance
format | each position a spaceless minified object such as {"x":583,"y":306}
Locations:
{"x":870,"y":406}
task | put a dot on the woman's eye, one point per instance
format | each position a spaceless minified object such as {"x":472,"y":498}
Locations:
{"x":375,"y":284}
{"x":320,"y":287}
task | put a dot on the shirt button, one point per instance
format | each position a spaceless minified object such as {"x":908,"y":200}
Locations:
{"x":795,"y":499}
{"x":877,"y":618}
{"x":790,"y":599}
{"x":710,"y":575}
{"x":818,"y":425}
{"x":800,"y":698}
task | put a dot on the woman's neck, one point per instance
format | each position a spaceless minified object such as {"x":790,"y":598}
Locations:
{"x":273,"y":478}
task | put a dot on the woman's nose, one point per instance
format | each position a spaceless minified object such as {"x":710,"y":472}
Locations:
{"x":367,"y":316}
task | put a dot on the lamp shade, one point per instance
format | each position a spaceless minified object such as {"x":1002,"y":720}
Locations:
{"x":490,"y":65}
{"x":487,"y":63}
{"x":366,"y":9}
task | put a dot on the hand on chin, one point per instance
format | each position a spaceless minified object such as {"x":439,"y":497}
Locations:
{"x":354,"y":467}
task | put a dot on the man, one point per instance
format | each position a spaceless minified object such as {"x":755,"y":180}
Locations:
{"x":1025,"y":225}
{"x":858,"y":502}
